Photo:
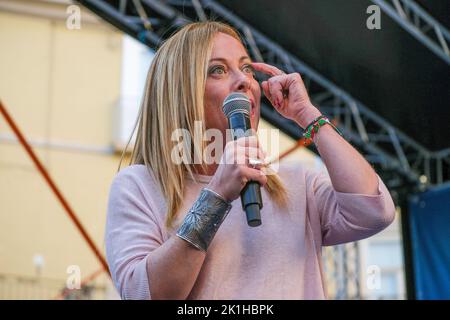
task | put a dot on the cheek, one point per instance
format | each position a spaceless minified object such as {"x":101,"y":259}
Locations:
{"x":214,"y":98}
{"x":256,"y":89}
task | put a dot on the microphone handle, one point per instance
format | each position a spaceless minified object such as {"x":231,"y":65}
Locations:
{"x":251,"y":194}
{"x":252,"y":203}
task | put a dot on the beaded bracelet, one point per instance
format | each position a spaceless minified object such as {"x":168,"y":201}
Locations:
{"x":314,"y":127}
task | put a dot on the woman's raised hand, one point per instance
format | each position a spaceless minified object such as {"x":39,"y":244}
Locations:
{"x":288,"y":94}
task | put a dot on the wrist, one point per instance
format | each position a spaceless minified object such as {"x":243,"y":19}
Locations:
{"x":311,"y":132}
{"x":219,"y":195}
{"x":211,"y":186}
{"x":308,"y":114}
{"x":204,"y":219}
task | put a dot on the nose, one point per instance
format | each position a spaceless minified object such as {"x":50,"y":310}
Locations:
{"x":242,"y":82}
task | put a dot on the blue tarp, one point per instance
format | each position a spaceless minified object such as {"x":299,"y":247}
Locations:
{"x":430,"y":233}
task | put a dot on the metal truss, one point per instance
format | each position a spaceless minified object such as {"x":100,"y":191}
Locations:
{"x":411,"y":17}
{"x":401,"y":160}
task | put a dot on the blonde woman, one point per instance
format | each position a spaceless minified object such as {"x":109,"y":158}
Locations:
{"x":178,"y":231}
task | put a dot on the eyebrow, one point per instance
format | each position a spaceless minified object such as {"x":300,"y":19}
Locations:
{"x":224,"y":60}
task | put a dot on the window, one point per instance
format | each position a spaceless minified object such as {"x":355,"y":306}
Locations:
{"x":388,"y":257}
{"x":136,"y":60}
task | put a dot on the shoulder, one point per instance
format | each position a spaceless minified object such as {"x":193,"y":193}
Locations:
{"x":135,"y":171}
{"x":136,"y":174}
{"x":137,"y":181}
{"x":135,"y":196}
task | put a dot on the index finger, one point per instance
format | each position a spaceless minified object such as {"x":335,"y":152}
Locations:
{"x":267,"y":69}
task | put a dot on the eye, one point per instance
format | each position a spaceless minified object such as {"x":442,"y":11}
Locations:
{"x":248,"y":69}
{"x":217,"y":70}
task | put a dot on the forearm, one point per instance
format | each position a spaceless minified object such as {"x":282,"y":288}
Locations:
{"x":173,"y":269}
{"x":349,"y":171}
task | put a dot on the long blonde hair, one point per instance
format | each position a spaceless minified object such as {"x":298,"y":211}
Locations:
{"x":173,"y":99}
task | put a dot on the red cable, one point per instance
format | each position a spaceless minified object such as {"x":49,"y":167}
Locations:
{"x":54,"y":188}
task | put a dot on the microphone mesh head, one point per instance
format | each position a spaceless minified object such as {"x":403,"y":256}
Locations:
{"x":236,"y":102}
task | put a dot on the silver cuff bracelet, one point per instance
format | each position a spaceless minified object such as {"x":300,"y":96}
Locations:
{"x":204,"y":219}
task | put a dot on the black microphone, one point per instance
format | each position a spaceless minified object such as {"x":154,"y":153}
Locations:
{"x":236,"y":108}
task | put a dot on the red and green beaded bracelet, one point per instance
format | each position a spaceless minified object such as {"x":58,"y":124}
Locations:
{"x":314,"y":127}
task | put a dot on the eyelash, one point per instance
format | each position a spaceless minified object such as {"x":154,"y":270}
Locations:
{"x":213,"y":69}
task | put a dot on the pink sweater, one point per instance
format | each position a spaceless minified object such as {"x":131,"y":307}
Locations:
{"x":281,"y":259}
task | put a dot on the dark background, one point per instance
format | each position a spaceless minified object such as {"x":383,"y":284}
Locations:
{"x":388,"y":70}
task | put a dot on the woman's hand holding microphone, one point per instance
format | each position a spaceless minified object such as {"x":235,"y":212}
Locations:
{"x":236,"y":168}
{"x":212,"y":206}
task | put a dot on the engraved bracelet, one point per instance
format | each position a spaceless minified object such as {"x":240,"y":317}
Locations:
{"x":204,"y":219}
